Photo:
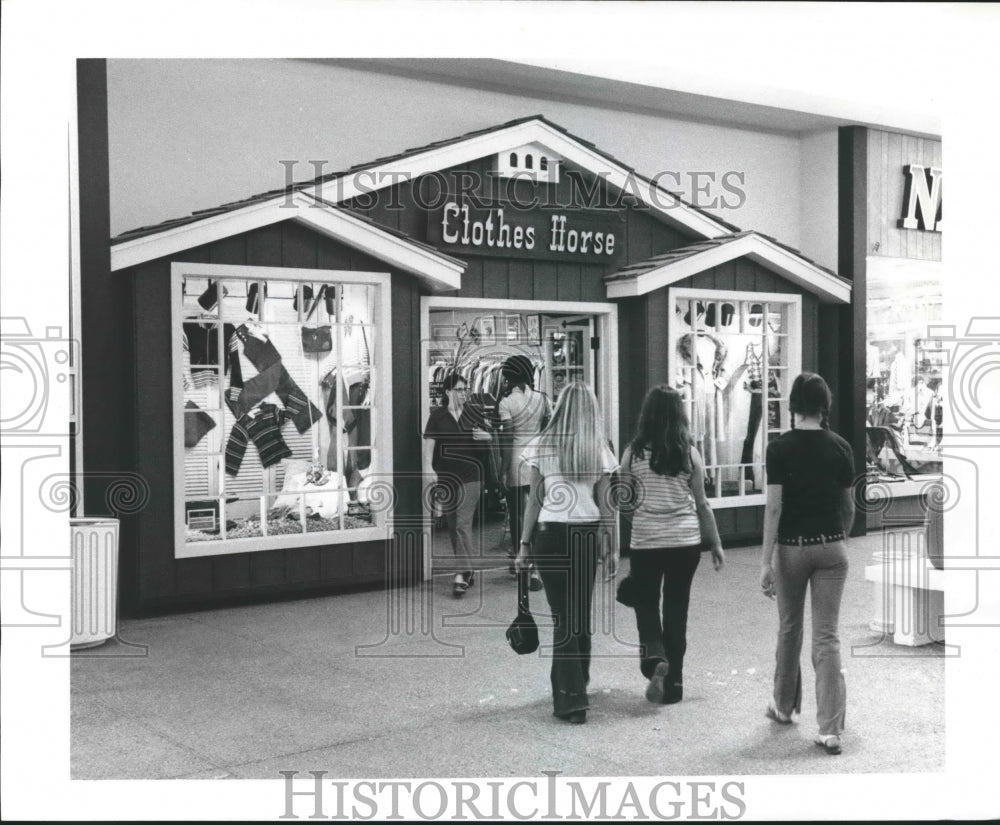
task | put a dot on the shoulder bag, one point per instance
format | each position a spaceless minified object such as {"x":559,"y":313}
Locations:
{"x":522,"y":635}
{"x":316,"y":339}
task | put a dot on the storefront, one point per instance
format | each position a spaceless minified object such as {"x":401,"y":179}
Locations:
{"x":299,"y":337}
{"x":905,"y":364}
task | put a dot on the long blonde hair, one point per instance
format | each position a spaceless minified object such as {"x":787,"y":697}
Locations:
{"x":575,"y":438}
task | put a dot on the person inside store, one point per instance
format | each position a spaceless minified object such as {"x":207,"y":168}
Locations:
{"x":807,"y":518}
{"x":523,"y":412}
{"x":459,"y":458}
{"x":672,"y":522}
{"x":569,"y":523}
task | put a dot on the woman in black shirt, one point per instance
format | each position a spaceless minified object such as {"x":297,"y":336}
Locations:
{"x":458,"y":461}
{"x":809,"y":512}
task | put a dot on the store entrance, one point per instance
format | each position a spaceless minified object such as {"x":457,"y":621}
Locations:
{"x":562,"y":342}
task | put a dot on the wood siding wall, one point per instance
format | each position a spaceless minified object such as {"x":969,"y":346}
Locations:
{"x":645,"y":324}
{"x":888,"y":153}
{"x":158,"y":579}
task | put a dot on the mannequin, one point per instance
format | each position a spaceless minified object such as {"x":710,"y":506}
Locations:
{"x":705,"y":383}
{"x":753,"y":366}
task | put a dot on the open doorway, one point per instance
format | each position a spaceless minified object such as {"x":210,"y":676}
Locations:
{"x":563,"y":342}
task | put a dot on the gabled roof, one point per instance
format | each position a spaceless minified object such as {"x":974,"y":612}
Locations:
{"x":441,"y":272}
{"x":338,"y":187}
{"x":683,"y":262}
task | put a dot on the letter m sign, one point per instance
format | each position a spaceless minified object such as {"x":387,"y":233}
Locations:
{"x":921,"y":198}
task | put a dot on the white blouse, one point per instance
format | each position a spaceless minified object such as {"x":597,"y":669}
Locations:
{"x":566,"y":499}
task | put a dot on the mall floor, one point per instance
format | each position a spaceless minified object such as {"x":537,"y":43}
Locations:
{"x":414,"y":682}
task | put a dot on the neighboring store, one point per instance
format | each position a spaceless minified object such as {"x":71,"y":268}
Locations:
{"x":905,"y":381}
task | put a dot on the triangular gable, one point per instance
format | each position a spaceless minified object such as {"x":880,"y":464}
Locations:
{"x":678,"y":264}
{"x":440,"y":272}
{"x":446,"y":154}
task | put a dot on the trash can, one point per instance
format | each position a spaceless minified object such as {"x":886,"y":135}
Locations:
{"x":94,"y":599}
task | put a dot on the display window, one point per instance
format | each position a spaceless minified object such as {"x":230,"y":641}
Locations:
{"x":281,"y":395}
{"x":905,"y":396}
{"x":733,"y":355}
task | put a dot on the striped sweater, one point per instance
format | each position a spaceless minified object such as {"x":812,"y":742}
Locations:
{"x":665,"y":514}
{"x":262,"y":425}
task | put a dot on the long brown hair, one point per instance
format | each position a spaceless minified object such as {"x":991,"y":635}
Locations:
{"x":663,"y":430}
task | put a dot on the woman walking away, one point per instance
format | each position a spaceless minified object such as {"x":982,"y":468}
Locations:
{"x":671,"y":523}
{"x":523,"y":415}
{"x":809,"y":513}
{"x":568,"y":525}
{"x":458,"y":460}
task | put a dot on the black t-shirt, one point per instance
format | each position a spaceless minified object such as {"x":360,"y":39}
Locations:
{"x":812,"y":467}
{"x":456,"y":452}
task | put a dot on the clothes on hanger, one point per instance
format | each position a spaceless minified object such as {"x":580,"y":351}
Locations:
{"x":262,"y":425}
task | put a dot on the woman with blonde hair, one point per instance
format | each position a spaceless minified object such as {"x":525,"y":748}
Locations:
{"x":672,"y":522}
{"x":568,"y":525}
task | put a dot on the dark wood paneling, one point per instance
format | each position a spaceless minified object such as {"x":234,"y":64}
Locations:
{"x":154,"y":402}
{"x":568,"y":281}
{"x":520,"y":280}
{"x":472,"y":279}
{"x":495,"y":284}
{"x":657,"y":323}
{"x":853,"y":248}
{"x":228,"y":251}
{"x":592,"y":286}
{"x":546,"y":281}
{"x":298,"y":246}
{"x":264,"y":246}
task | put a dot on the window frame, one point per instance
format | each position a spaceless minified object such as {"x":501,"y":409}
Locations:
{"x":381,"y":413}
{"x":793,"y":301}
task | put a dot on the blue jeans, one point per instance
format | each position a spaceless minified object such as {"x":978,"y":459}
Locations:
{"x":565,"y":556}
{"x":823,"y":569}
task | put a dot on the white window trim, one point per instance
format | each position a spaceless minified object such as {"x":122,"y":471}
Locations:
{"x":794,"y":303}
{"x":606,"y":328}
{"x":383,"y":405}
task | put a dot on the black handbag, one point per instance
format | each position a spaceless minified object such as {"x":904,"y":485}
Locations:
{"x":627,"y":593}
{"x":522,"y":635}
{"x":315,"y":339}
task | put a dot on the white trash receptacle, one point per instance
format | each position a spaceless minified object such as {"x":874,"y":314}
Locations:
{"x":94,"y":600}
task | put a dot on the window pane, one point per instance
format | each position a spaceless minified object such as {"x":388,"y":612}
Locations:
{"x":726,"y":351}
{"x":278,"y":425}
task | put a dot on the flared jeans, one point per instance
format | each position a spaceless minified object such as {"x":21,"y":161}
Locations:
{"x":822,"y":569}
{"x":565,"y":556}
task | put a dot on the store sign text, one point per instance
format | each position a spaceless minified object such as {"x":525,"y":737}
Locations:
{"x":556,"y":235}
{"x":921,"y":198}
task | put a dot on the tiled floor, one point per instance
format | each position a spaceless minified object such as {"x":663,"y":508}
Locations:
{"x":417,"y":683}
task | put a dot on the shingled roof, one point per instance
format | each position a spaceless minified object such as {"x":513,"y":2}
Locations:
{"x":662,"y":270}
{"x":318,"y":184}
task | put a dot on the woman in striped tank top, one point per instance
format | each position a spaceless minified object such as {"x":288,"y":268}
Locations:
{"x":671,"y":523}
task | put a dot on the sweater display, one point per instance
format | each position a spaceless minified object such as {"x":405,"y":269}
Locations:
{"x":261,"y":425}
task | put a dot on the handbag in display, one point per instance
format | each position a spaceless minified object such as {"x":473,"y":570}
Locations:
{"x":522,"y":635}
{"x":316,"y":339}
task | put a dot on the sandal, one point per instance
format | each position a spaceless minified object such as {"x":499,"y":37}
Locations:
{"x":830,"y":743}
{"x":776,"y":715}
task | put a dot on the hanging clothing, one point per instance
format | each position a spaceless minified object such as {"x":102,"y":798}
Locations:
{"x":262,"y":425}
{"x":257,"y":346}
{"x":201,"y":343}
{"x":274,"y":379}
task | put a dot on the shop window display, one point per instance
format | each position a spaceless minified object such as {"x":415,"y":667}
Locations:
{"x":905,"y":373}
{"x":733,"y":356}
{"x":280,"y":410}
